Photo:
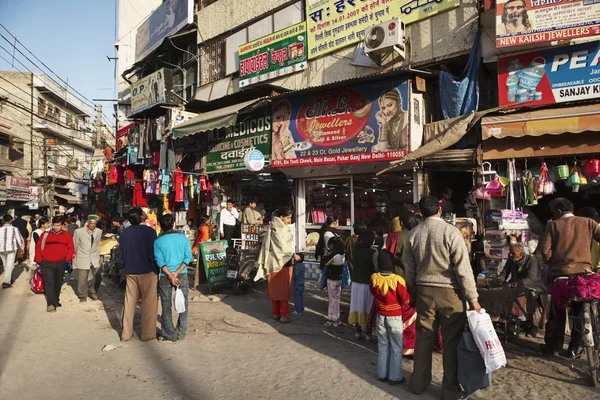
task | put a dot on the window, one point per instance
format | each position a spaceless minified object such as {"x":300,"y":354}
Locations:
{"x":212,"y":60}
{"x":72,"y":122}
{"x":42,"y":107}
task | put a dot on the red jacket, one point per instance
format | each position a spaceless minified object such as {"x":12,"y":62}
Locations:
{"x":390,"y":294}
{"x":58,"y":247}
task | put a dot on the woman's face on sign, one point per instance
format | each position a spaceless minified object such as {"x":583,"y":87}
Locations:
{"x":389,"y":107}
{"x":280,"y":119}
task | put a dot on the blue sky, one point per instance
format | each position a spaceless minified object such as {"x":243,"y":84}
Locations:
{"x":72,"y":37}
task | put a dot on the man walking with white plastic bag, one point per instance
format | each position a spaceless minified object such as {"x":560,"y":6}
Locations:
{"x":439,"y":277}
{"x":173,"y":253}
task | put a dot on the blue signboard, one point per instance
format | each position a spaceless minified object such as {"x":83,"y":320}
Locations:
{"x":166,"y":20}
{"x":555,"y":75}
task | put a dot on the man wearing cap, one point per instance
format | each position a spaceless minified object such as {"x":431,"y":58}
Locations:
{"x":87,"y":259}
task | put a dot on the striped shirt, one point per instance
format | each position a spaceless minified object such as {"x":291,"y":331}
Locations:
{"x":10,"y":239}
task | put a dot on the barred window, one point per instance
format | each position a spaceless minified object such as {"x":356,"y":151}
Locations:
{"x":212,"y":60}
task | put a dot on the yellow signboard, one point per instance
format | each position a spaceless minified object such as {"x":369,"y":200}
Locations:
{"x":334,"y":24}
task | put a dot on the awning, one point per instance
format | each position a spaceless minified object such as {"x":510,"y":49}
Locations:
{"x":542,"y":122}
{"x":216,"y":119}
{"x":70,"y":199}
{"x":443,"y":134}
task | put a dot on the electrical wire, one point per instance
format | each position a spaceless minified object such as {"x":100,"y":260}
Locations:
{"x":89,"y":102}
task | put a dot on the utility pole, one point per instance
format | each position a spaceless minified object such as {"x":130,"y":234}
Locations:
{"x":98,"y":124}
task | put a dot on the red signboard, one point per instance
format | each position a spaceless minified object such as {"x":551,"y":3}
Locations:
{"x":344,"y":125}
{"x":122,"y":136}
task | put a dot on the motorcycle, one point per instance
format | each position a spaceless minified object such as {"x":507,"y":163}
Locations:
{"x":242,"y":266}
{"x":111,"y":267}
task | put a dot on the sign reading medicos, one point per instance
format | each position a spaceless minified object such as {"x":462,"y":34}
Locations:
{"x":521,"y":22}
{"x":335,"y":24}
{"x":556,"y":75}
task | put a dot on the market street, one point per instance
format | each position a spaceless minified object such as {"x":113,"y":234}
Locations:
{"x":233,"y":350}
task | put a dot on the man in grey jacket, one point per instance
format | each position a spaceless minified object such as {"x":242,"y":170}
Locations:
{"x":439,"y":279}
{"x":86,"y":263}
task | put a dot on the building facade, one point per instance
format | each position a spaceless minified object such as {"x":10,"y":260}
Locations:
{"x":49,"y":139}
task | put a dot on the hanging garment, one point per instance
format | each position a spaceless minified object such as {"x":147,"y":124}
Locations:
{"x":139,"y":200}
{"x":178,"y":179}
{"x":130,"y":177}
{"x":155,"y":158}
{"x":165,"y":182}
{"x":191,"y":187}
{"x":203,"y":181}
{"x":180,"y":218}
{"x":132,"y":156}
{"x":167,"y":155}
{"x":150,"y":177}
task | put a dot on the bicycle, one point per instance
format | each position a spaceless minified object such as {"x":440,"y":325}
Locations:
{"x":589,"y":316}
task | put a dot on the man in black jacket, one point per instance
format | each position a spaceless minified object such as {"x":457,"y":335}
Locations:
{"x":522,"y":269}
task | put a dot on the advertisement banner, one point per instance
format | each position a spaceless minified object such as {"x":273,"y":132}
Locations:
{"x":213,"y":255}
{"x":345,"y":125}
{"x":520,"y":22}
{"x":228,"y":147}
{"x":550,"y":76}
{"x":150,"y":90}
{"x":272,"y":56}
{"x":17,"y":184}
{"x":335,"y":24}
{"x":166,"y":20}
{"x":122,"y":135}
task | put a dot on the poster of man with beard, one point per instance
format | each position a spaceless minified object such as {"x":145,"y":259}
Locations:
{"x":515,"y":18}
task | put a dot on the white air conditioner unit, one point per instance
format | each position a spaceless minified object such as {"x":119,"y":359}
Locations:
{"x":385,"y":38}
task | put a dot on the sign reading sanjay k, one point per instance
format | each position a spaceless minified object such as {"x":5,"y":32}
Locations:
{"x":556,"y":75}
{"x":272,"y":56}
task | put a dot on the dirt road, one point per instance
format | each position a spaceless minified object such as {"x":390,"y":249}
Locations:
{"x":233,"y":350}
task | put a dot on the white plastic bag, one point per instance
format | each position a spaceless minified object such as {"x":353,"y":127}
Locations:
{"x":179,"y":301}
{"x":487,"y":340}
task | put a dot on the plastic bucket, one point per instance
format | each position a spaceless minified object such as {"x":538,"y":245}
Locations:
{"x":561,"y":172}
{"x":592,"y":167}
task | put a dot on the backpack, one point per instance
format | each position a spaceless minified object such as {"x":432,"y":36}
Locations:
{"x":37,"y":283}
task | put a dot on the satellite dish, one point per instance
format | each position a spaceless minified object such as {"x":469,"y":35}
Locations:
{"x":375,"y":37}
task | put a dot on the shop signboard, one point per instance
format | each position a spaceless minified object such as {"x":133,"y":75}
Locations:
{"x":122,"y":136}
{"x":556,"y":75}
{"x":152,"y":90}
{"x":272,"y":56}
{"x":521,"y":22}
{"x":335,"y":24}
{"x":228,"y":147}
{"x":363,"y":123}
{"x":213,"y":255}
{"x":170,"y":17}
{"x":17,"y":184}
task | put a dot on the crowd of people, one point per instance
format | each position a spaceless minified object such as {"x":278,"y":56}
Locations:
{"x":413,"y":290}
{"x":410,"y":293}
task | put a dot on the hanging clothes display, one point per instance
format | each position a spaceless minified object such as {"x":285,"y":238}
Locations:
{"x":178,"y":179}
{"x":180,"y":218}
{"x":139,"y":200}
{"x":150,"y":178}
{"x":165,"y":182}
{"x":167,"y":155}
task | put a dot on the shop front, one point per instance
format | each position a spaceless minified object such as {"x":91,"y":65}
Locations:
{"x":219,"y":143}
{"x":334,"y":141}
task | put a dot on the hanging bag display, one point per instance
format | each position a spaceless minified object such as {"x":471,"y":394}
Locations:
{"x":495,"y":188}
{"x":529,"y":188}
{"x":545,"y":186}
{"x":482,"y":194}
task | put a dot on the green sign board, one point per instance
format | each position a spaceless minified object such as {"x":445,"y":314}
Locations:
{"x":275,"y":55}
{"x":228,"y":147}
{"x":213,"y":256}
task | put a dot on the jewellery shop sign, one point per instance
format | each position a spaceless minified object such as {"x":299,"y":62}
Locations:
{"x":228,"y":146}
{"x":363,"y":123}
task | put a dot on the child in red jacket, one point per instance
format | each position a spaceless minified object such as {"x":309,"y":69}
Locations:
{"x":390,"y":294}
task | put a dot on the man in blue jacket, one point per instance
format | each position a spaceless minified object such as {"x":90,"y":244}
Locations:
{"x":136,"y":253}
{"x":173,"y":253}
